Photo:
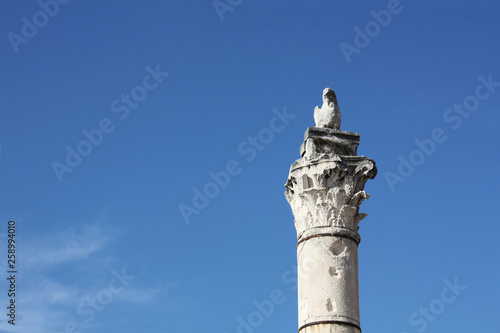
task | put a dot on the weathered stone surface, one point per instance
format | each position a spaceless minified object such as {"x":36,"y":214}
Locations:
{"x":328,"y":280}
{"x":325,"y":193}
{"x":330,"y":328}
{"x":319,"y":141}
{"x":329,"y":114}
{"x":325,"y":189}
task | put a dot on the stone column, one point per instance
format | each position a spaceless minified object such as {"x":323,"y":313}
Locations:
{"x":325,"y":189}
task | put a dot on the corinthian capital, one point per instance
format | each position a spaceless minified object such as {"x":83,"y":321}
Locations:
{"x":325,"y":193}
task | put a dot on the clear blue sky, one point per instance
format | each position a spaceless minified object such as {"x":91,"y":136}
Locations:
{"x":172,"y":92}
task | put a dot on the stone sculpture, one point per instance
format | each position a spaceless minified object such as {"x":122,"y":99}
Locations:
{"x":325,"y":189}
{"x":328,"y":115}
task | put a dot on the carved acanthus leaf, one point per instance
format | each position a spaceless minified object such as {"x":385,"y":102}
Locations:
{"x":329,"y":195}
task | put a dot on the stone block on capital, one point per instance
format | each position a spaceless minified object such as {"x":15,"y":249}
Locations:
{"x":319,"y":140}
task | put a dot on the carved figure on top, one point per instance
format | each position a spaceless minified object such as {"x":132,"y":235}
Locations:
{"x":328,"y":115}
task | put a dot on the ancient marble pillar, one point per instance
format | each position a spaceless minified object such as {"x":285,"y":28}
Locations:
{"x":324,"y":189}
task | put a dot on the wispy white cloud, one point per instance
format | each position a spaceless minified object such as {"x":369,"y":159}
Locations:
{"x":50,"y":292}
{"x":60,"y":271}
{"x":64,"y":246}
{"x":136,"y":295}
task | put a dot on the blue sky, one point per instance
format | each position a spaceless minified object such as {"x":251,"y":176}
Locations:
{"x":113,"y":116}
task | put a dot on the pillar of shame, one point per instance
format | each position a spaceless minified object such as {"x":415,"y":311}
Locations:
{"x":324,"y":189}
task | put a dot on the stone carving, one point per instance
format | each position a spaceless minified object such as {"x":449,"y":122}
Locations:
{"x":327,"y":192}
{"x":329,"y":114}
{"x":325,"y":188}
